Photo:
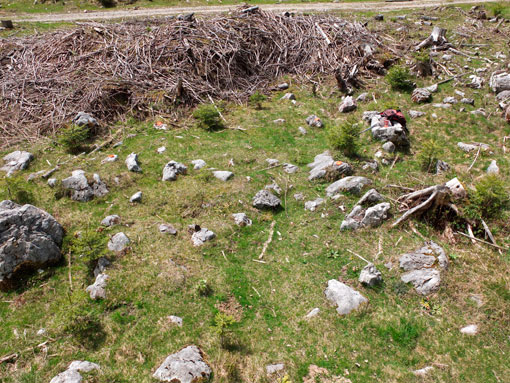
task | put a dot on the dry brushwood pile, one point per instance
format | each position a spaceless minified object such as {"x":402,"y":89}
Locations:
{"x":151,"y":67}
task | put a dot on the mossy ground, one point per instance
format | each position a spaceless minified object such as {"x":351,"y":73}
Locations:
{"x":397,"y":332}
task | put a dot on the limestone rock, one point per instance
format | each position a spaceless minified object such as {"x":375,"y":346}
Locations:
{"x":388,"y":147}
{"x":264,"y":199}
{"x":167,"y":228}
{"x":370,"y":276}
{"x":72,"y":374}
{"x":202,"y":236}
{"x":101,"y":265}
{"x":314,"y":121}
{"x":290,"y":169}
{"x":118,"y":242}
{"x":172,"y":169}
{"x":493,"y":168}
{"x":324,"y":163}
{"x":29,"y":237}
{"x":376,"y":215}
{"x":80,"y":188}
{"x":175,"y":319}
{"x":136,"y":198}
{"x":395,"y":134}
{"x":472,"y":329}
{"x":425,"y":281}
{"x":288,"y":96}
{"x":241,"y":219}
{"x":85,"y":119}
{"x":347,"y":105}
{"x":18,"y":160}
{"x":421,"y":95}
{"x":132,"y":163}
{"x":312,"y":205}
{"x":185,"y":366}
{"x":98,"y":289}
{"x":198,"y":164}
{"x":415,"y":113}
{"x":351,"y":184}
{"x":471,"y":147}
{"x":223,"y":175}
{"x":110,"y":220}
{"x":346,"y":298}
{"x":370,"y":198}
{"x":274,"y":368}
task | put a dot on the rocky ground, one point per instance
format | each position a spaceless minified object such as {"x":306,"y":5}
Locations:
{"x":260,"y":252}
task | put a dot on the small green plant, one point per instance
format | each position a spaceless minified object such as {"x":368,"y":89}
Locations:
{"x":497,"y":9}
{"x":223,"y":323}
{"x":423,"y":64}
{"x":428,"y":156}
{"x":399,"y":78}
{"x":284,"y":379}
{"x":208,"y":117}
{"x":16,"y":189}
{"x":489,"y":198}
{"x":256,"y":100}
{"x":405,"y":334}
{"x":107,"y":3}
{"x":203,"y":288}
{"x":345,"y":138}
{"x":73,"y":137}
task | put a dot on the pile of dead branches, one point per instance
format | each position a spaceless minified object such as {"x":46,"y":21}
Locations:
{"x":152,"y":67}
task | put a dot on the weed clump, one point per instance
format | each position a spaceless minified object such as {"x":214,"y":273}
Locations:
{"x":107,"y":3}
{"x":73,"y":137}
{"x":256,"y":100}
{"x":208,"y":117}
{"x":345,"y":138}
{"x":203,"y":288}
{"x":400,"y":78}
{"x":489,"y":198}
{"x":497,"y":9}
{"x":405,"y":334}
{"x":16,"y":189}
{"x":428,"y":156}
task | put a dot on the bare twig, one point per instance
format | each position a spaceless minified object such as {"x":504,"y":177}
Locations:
{"x":268,"y":241}
{"x":481,"y":240}
{"x":476,"y":157}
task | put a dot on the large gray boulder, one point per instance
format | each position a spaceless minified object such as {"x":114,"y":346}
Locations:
{"x":172,"y":169}
{"x":85,"y":119}
{"x":80,"y":189}
{"x":351,"y":184}
{"x":324,"y":163}
{"x":29,"y":238}
{"x":372,"y":217}
{"x":346,"y":298}
{"x":185,"y":366}
{"x":264,"y":199}
{"x":421,"y":267}
{"x":18,"y":160}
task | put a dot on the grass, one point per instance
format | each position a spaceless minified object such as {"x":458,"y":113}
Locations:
{"x":128,"y":333}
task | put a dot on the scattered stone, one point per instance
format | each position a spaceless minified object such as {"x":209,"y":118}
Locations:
{"x":161,"y":149}
{"x":175,"y":319}
{"x":472,"y":329}
{"x":389,"y":147}
{"x":493,"y":168}
{"x":185,"y":366}
{"x":85,"y":119}
{"x":346,"y":298}
{"x":167,"y":228}
{"x":362,"y":97}
{"x":369,"y":115}
{"x":370,"y":198}
{"x":110,"y":220}
{"x":371,"y":165}
{"x":136,"y":198}
{"x":371,"y":217}
{"x":379,"y":17}
{"x":15,"y":161}
{"x":351,"y":184}
{"x":274,"y":368}
{"x":479,"y":112}
{"x":447,"y":57}
{"x":290,"y":169}
{"x":432,"y":88}
{"x":132,"y":163}
{"x":172,"y":169}
{"x":72,"y":374}
{"x":272,"y":162}
{"x":324,"y":164}
{"x":442,"y":106}
{"x":503,"y":96}
{"x":264,"y":199}
{"x":415,"y":113}
{"x":471,"y":147}
{"x":441,"y":167}
{"x":312,"y":205}
{"x":370,"y":276}
{"x":347,"y":105}
{"x":118,"y":242}
{"x":314,"y":121}
{"x":29,"y":237}
{"x":450,"y":100}
{"x":52,"y":182}
{"x":117,"y":144}
{"x":110,"y":158}
{"x":223,"y":175}
{"x":312,"y":313}
{"x":299,"y":196}
{"x":302,"y":130}
{"x":288,"y":96}
{"x":101,"y":265}
{"x":198,"y":164}
{"x":423,"y":371}
{"x":468,"y":101}
{"x":421,"y":95}
{"x":41,"y":332}
{"x":420,"y":267}
{"x":241,"y":219}
{"x":459,"y":93}
{"x":395,"y":133}
{"x":202,"y":236}
{"x":283,"y":86}
{"x":476,"y":82}
{"x":98,"y":289}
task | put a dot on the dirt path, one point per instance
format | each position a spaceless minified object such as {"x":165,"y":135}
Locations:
{"x":312,"y":7}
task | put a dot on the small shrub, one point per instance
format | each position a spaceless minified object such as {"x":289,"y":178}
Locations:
{"x":208,"y":117}
{"x":345,"y":138}
{"x":404,"y":334}
{"x":107,"y":3}
{"x":489,"y":198}
{"x":428,"y":156}
{"x":72,"y":138}
{"x":423,"y":64}
{"x":256,"y":99}
{"x":16,"y":189}
{"x":203,"y":288}
{"x":497,"y":9}
{"x":399,"y":78}
{"x":223,"y":328}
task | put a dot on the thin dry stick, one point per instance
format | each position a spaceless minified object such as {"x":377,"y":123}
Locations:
{"x":268,"y":241}
{"x":359,"y":256}
{"x":69,"y":272}
{"x":482,"y":241}
{"x":476,"y":157}
{"x":489,"y":234}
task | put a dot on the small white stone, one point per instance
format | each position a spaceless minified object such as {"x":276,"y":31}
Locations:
{"x":472,"y":329}
{"x":175,"y":319}
{"x":137,"y":197}
{"x":312,"y":313}
{"x":161,"y":149}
